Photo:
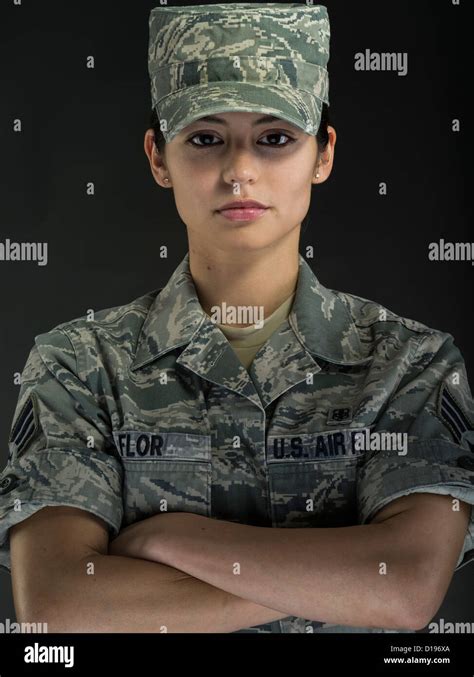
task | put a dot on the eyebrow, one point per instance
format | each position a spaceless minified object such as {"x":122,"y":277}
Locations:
{"x":213,"y":118}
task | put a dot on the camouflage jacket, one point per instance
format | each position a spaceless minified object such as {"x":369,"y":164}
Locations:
{"x":147,"y":407}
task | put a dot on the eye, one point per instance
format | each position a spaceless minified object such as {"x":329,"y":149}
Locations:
{"x":208,"y":135}
{"x":290,"y":139}
{"x":202,"y":135}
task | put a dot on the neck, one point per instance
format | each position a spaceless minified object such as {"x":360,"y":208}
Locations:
{"x":260,"y":280}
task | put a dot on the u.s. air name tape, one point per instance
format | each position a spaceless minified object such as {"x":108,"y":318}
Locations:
{"x":135,"y":445}
{"x":327,"y":445}
{"x":138,"y":445}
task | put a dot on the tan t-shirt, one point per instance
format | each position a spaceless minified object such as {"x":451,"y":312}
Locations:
{"x":247,"y":341}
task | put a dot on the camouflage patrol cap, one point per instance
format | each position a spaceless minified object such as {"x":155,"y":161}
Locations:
{"x":262,"y":57}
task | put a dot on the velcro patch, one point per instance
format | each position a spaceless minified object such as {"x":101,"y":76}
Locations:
{"x":339,"y":416}
{"x":25,"y":426}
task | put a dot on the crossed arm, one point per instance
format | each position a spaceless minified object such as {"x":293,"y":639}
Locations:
{"x":392,"y":573}
{"x":208,"y":575}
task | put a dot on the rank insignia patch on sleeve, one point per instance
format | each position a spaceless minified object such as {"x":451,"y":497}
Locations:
{"x":451,"y":413}
{"x":25,"y":425}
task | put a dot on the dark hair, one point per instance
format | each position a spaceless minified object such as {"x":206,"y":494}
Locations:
{"x":322,"y":136}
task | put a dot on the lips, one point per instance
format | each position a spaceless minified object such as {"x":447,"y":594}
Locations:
{"x":247,"y":214}
{"x":243,"y":204}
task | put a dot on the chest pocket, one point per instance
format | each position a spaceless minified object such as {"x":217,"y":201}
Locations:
{"x":313,"y":478}
{"x":166,"y":471}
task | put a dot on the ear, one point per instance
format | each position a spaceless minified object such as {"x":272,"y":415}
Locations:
{"x":157,"y":164}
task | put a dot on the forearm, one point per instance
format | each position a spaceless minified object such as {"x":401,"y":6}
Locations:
{"x":359,"y":576}
{"x":125,"y":594}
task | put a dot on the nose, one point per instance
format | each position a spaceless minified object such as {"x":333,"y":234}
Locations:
{"x":241,"y":167}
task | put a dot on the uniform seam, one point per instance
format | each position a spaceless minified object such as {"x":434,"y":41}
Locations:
{"x":60,"y":502}
{"x":423,"y":328}
{"x":234,"y":9}
{"x":417,"y":350}
{"x":71,"y":340}
{"x":83,"y":452}
{"x":396,"y":320}
{"x":132,"y":306}
{"x":450,"y":486}
{"x":414,"y":353}
{"x":339,"y":295}
{"x":81,"y":375}
{"x":155,"y":69}
{"x":234,"y":82}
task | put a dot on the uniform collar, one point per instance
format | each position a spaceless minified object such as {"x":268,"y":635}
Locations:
{"x":319,"y":325}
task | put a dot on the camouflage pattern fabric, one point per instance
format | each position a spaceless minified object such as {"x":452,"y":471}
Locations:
{"x":263,"y":57}
{"x":147,"y":407}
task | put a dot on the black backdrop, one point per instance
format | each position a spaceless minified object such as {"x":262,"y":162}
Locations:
{"x":81,"y":125}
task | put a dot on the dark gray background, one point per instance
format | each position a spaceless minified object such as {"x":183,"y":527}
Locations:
{"x":83,"y":125}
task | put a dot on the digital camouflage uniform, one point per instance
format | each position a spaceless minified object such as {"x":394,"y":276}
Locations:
{"x":147,"y":407}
